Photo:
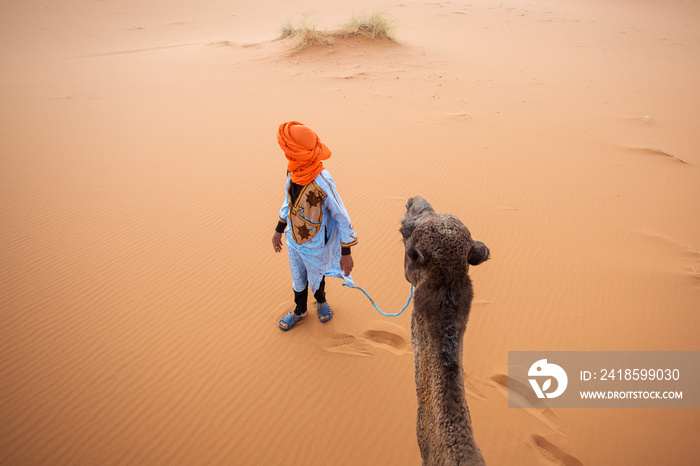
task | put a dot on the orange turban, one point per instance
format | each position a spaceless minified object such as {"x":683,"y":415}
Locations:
{"x":304,"y":150}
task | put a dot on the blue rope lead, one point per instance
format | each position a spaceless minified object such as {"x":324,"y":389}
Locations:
{"x":377,"y":307}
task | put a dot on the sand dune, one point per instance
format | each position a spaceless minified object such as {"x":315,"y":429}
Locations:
{"x":140,"y":181}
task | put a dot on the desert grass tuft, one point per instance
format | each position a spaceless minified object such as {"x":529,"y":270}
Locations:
{"x":375,"y":26}
{"x":306,"y":34}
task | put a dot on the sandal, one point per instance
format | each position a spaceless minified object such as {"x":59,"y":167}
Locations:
{"x":324,"y":313}
{"x":290,"y":320}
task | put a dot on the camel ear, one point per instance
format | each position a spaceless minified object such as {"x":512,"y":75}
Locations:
{"x":415,"y":256}
{"x":478,"y":254}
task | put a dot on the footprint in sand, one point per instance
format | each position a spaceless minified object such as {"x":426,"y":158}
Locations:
{"x":553,"y":453}
{"x":383,"y":335}
{"x":344,"y":343}
{"x":388,"y":336}
{"x":522,"y":395}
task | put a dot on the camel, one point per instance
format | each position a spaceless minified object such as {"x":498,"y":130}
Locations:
{"x":439,"y":250}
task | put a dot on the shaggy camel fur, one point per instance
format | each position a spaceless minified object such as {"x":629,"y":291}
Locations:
{"x":439,"y":249}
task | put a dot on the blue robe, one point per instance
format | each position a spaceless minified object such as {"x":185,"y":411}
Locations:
{"x":317,"y":227}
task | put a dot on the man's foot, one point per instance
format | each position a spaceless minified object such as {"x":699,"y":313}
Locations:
{"x":290,"y":320}
{"x":324,"y":312}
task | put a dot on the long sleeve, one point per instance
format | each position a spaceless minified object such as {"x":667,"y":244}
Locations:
{"x":340,"y":215}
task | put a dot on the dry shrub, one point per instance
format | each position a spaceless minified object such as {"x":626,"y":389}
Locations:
{"x":376,"y":26}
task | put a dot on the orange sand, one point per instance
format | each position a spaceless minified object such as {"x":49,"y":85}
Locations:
{"x":140,"y":181}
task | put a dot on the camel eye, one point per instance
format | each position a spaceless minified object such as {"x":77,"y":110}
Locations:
{"x":415,"y":256}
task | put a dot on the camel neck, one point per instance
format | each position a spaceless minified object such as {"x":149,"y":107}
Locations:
{"x":443,"y":415}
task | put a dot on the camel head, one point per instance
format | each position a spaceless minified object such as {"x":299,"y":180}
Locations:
{"x":437,"y":245}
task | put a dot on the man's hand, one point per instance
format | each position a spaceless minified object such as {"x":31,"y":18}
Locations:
{"x":277,"y":241}
{"x":346,"y":264}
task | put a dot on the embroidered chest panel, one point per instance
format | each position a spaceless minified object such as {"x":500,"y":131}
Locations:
{"x":306,"y":215}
